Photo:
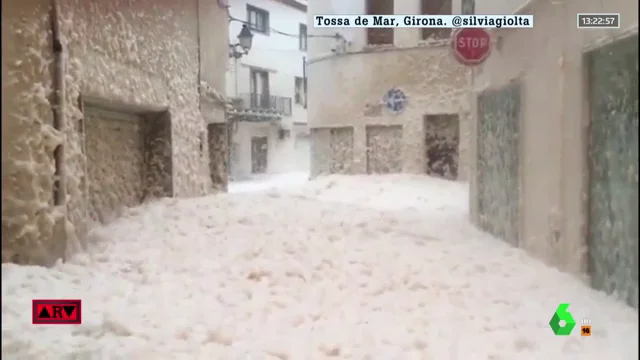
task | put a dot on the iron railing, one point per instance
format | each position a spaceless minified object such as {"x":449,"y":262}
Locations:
{"x":261,"y":102}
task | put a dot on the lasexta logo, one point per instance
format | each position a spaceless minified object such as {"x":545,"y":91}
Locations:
{"x":562,"y":322}
{"x":58,"y":311}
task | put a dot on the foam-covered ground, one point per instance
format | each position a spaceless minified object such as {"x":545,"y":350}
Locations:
{"x":339,"y":268}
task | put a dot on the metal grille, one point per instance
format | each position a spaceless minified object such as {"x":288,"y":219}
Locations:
{"x":499,"y":161}
{"x":613,"y":169}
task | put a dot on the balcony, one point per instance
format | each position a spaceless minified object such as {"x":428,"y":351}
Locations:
{"x":256,"y":107}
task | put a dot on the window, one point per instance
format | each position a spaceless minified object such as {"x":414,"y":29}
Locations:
{"x":259,"y":85}
{"x":468,"y":7}
{"x":303,"y":37}
{"x":258,"y":19}
{"x":301,"y":91}
{"x":436,"y":7}
{"x":379,"y":36}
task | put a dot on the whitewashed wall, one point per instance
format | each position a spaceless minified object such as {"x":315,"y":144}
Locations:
{"x":281,"y":56}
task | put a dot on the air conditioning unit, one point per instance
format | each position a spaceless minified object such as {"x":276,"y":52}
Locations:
{"x":284,"y":134}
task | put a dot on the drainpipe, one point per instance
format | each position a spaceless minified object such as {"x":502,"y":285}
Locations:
{"x":235,"y":75}
{"x":560,"y":230}
{"x":58,"y":105}
{"x":304,"y":79}
{"x":199,"y":42}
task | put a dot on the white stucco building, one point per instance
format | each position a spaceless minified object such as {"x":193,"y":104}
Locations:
{"x":268,"y":84}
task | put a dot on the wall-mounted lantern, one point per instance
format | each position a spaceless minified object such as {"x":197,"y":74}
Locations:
{"x":242,"y":47}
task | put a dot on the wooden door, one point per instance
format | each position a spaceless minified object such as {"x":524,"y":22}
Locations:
{"x":259,"y":154}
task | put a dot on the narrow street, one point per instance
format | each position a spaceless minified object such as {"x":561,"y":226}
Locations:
{"x":378,"y":267}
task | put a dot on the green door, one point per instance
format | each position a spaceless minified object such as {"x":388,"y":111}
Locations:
{"x":498,"y":173}
{"x":613,"y":161}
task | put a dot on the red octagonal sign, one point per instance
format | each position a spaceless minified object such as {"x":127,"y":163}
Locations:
{"x":471,"y":46}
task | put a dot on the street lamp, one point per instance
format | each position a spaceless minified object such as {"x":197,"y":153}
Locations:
{"x":242,"y":47}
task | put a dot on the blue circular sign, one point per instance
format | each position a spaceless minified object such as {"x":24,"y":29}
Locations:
{"x":395,"y":100}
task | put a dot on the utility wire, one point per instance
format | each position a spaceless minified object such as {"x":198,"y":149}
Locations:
{"x":336,"y":36}
{"x":277,"y":50}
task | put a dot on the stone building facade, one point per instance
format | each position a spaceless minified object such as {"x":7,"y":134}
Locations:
{"x":555,"y":140}
{"x":105,"y":105}
{"x":352,"y":129}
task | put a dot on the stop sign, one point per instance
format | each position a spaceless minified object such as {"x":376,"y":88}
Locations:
{"x":471,"y":46}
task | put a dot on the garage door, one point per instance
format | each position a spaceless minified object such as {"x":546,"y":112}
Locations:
{"x":498,"y":172}
{"x":384,"y":149}
{"x":613,"y":157}
{"x":114,"y":144}
{"x":341,"y":149}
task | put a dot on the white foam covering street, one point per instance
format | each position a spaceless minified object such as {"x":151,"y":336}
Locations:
{"x":379,"y":267}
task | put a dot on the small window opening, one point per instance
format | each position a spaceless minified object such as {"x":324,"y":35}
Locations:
{"x":58,"y":196}
{"x":380,"y":36}
{"x":436,"y":7}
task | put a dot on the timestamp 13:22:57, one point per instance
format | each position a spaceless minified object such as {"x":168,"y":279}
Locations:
{"x":598,"y":21}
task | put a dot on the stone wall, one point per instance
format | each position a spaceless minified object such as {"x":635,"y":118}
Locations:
{"x":347,"y":90}
{"x":142,"y":55}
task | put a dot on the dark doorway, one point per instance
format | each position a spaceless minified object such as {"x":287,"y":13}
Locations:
{"x":442,"y":139}
{"x":217,"y":140}
{"x":259,"y":154}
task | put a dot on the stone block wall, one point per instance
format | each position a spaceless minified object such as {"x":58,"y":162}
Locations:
{"x":142,"y":55}
{"x":343,"y":92}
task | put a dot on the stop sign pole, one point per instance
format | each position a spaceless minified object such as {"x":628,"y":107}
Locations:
{"x":471,"y":46}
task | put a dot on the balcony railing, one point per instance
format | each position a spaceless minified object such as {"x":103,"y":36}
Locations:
{"x":264,"y":103}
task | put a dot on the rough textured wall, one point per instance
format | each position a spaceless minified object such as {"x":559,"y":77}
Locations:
{"x":29,"y":217}
{"x":141,"y":53}
{"x":214,"y":61}
{"x":343,"y":92}
{"x":554,"y":121}
{"x":145,"y":53}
